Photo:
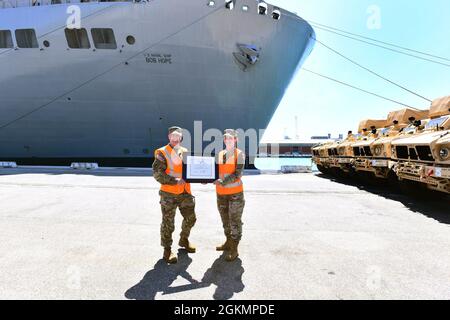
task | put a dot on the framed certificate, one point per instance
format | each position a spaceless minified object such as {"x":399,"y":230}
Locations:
{"x":200,"y":169}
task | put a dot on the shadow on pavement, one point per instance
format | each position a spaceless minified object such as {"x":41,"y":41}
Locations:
{"x":160,"y":278}
{"x":227,"y":276}
{"x":434,"y":205}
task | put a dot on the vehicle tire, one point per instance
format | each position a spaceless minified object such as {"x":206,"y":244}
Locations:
{"x":321,"y":169}
{"x":393,"y":181}
{"x":416,"y":190}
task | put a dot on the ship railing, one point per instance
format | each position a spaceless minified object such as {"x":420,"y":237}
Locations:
{"x":4,"y":4}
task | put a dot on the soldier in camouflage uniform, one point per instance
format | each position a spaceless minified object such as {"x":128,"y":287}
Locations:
{"x":230,"y":194}
{"x":175,"y":193}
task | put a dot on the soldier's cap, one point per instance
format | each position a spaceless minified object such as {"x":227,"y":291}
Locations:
{"x":230,"y":133}
{"x":176,"y":130}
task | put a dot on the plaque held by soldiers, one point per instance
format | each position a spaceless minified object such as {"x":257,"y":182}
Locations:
{"x":200,"y":169}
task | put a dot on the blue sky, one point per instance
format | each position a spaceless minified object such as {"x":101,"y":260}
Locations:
{"x":325,"y":107}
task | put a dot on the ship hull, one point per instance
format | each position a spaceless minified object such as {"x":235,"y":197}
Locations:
{"x":61,"y":103}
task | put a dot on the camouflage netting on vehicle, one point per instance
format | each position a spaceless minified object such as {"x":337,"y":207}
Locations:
{"x":403,"y":115}
{"x":367,"y":124}
{"x":440,"y":107}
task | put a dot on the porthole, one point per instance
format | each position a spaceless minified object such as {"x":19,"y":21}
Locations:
{"x":46,"y":44}
{"x":245,"y":8}
{"x":131,"y":40}
{"x":211,"y":3}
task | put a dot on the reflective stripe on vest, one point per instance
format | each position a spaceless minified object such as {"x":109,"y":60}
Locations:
{"x":226,"y":169}
{"x":174,"y":169}
{"x":231,"y":185}
{"x":170,"y":164}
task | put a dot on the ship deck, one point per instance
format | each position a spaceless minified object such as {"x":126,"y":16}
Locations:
{"x":95,"y":235}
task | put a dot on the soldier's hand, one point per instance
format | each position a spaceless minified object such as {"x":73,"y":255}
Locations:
{"x":181,"y":182}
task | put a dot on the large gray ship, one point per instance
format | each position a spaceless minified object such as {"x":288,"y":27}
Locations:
{"x":107,"y":89}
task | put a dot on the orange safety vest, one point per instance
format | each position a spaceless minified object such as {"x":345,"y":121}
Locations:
{"x":226,"y":169}
{"x":174,"y":169}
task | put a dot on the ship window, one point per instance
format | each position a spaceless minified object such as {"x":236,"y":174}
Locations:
{"x":26,"y":38}
{"x":5,"y":39}
{"x":104,"y":38}
{"x":77,"y":38}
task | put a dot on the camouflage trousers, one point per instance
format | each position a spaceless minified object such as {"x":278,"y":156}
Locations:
{"x":231,"y":208}
{"x":169,"y":204}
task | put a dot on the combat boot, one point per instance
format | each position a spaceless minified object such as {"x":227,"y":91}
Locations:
{"x":233,"y":253}
{"x":225,"y":246}
{"x":184,"y":243}
{"x":169,"y":257}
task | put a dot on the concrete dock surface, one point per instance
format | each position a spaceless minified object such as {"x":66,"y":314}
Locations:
{"x":95,"y":235}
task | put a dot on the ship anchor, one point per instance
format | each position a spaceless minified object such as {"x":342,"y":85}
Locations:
{"x":248,"y":56}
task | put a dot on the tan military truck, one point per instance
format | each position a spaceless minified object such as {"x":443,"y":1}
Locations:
{"x":321,"y":157}
{"x":440,"y":171}
{"x":326,"y":160}
{"x":361,"y":148}
{"x":401,"y":122}
{"x":424,"y":157}
{"x":345,"y":154}
{"x":333,"y":158}
{"x":317,"y":157}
